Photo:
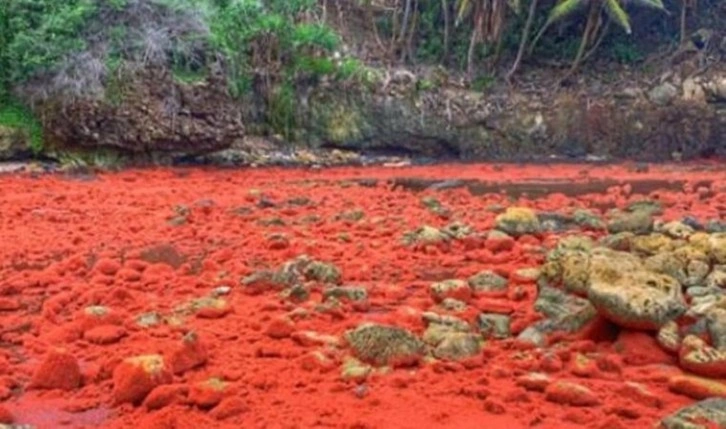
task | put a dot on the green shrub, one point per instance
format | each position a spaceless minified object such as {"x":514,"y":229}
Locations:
{"x":15,"y":115}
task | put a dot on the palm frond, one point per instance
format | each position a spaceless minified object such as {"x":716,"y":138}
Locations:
{"x":618,"y":14}
{"x":655,"y":4}
{"x":564,"y":9}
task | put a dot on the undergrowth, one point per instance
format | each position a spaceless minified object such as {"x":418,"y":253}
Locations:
{"x":15,"y":115}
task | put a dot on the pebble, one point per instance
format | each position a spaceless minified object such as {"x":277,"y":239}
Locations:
{"x":700,"y":358}
{"x":59,"y":370}
{"x":207,"y":394}
{"x":228,"y":408}
{"x":165,"y":395}
{"x":568,"y":393}
{"x":135,"y":377}
{"x":190,"y":354}
{"x":105,"y":335}
{"x":697,"y":387}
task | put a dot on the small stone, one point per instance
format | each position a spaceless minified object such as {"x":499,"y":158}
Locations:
{"x":323,"y":272}
{"x":641,"y":394}
{"x":717,"y":278}
{"x":147,"y":320}
{"x":457,"y":230}
{"x":425,"y":235}
{"x":165,"y":395}
{"x":220,"y":291}
{"x":457,"y":346}
{"x":526,"y":275}
{"x":487,"y":281}
{"x":311,"y":339}
{"x":281,"y":327}
{"x":347,"y":293}
{"x":677,"y":230}
{"x":650,"y":244}
{"x":717,"y":242}
{"x":583,"y":366}
{"x":383,"y":345}
{"x":457,"y":289}
{"x":94,"y":316}
{"x":697,"y":387}
{"x":495,"y":326}
{"x":190,"y":354}
{"x":261,"y":282}
{"x":699,"y":358}
{"x":134,"y":378}
{"x":205,"y":308}
{"x":59,"y":370}
{"x":452,"y":322}
{"x":669,"y":337}
{"x":454,"y":305}
{"x":575,"y":267}
{"x":701,"y":415}
{"x":207,"y":394}
{"x":620,"y":241}
{"x":568,"y":393}
{"x":534,"y":381}
{"x":637,"y":222}
{"x":355,"y":370}
{"x":298,"y":293}
{"x":498,"y":241}
{"x":588,"y":220}
{"x":518,"y":221}
{"x":536,"y":334}
{"x":229,"y":407}
{"x":316,"y":361}
{"x":716,"y":325}
{"x":104,"y":335}
{"x":567,"y":312}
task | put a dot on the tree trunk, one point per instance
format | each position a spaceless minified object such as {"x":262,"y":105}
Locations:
{"x":590,"y":27}
{"x":470,"y":53}
{"x":525,"y":36}
{"x":447,"y":30}
{"x":684,"y":13}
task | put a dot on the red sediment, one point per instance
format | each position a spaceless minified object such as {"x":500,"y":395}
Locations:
{"x":98,"y":268}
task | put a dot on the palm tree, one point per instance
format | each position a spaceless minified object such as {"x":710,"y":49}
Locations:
{"x":599,"y":14}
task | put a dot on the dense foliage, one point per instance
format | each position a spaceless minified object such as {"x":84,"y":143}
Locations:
{"x":269,"y":49}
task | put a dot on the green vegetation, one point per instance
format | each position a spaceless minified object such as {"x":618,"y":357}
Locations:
{"x":15,"y":115}
{"x":270,"y":51}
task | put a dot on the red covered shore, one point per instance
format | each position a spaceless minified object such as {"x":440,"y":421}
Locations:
{"x":103,"y":278}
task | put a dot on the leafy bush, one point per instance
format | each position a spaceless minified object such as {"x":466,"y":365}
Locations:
{"x":15,"y":115}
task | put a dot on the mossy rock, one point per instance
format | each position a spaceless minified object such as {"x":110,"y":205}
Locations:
{"x":488,"y":281}
{"x":383,"y":345}
{"x":458,"y":345}
{"x":518,"y":221}
{"x":637,"y":222}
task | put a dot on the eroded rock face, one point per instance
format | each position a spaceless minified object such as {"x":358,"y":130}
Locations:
{"x":155,"y":114}
{"x":638,"y":299}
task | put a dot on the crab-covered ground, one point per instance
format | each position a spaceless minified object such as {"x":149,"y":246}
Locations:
{"x":454,"y":296}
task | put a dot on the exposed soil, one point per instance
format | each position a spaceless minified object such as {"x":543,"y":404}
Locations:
{"x":82,"y":258}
